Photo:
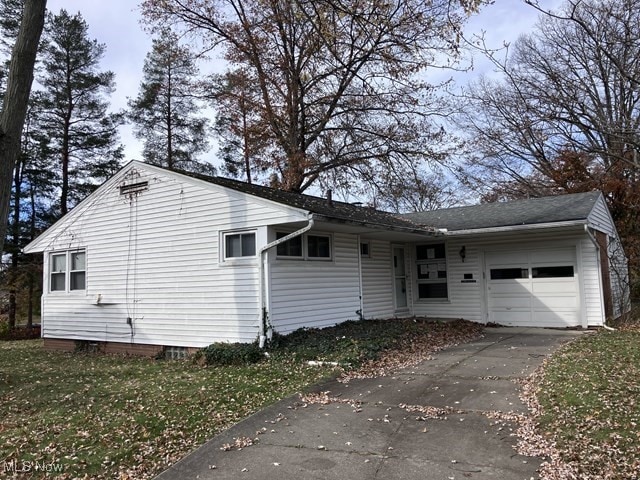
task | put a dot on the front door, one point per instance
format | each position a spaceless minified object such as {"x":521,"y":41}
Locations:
{"x":399,"y":279}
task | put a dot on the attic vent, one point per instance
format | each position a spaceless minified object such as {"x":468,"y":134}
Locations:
{"x":134,"y":188}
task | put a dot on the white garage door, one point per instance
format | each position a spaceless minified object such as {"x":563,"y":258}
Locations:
{"x":533,"y":287}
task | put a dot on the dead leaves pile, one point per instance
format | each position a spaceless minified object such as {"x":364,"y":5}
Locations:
{"x":417,"y":348}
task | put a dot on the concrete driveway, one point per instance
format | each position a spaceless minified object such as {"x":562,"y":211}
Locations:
{"x":384,"y":428}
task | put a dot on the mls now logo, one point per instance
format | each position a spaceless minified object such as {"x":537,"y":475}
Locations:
{"x":24,"y":466}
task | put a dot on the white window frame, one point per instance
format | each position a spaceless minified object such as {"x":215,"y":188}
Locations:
{"x":305,"y":248}
{"x":318,"y":259}
{"x":67,"y":272}
{"x":423,"y":281}
{"x":240,"y":258}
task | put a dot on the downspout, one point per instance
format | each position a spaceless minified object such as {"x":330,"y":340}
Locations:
{"x":360,"y":312}
{"x":595,"y":244}
{"x":264,"y":328}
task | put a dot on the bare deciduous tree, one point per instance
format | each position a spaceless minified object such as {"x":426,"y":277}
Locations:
{"x":565,"y":114}
{"x":340,"y":83}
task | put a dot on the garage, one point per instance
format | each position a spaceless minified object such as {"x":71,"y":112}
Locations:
{"x":533,"y":287}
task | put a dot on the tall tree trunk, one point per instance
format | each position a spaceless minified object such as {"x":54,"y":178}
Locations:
{"x":64,"y":191}
{"x":16,"y":98}
{"x":169,"y":119}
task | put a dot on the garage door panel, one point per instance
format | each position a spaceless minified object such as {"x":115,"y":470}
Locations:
{"x":523,"y":302}
{"x":546,"y":296}
{"x":558,"y":255}
{"x":510,"y":287}
{"x":556,"y":319}
{"x":558,"y":287}
{"x":512,"y":318}
{"x":559,"y":302}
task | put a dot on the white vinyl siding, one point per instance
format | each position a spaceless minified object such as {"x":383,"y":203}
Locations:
{"x":591,"y":288}
{"x":156,"y":259}
{"x":314,"y":293}
{"x":600,"y":218}
{"x":377,"y":281}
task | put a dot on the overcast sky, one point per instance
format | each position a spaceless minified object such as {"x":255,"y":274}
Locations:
{"x":116,"y":23}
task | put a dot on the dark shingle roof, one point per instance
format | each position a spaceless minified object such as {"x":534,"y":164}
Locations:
{"x":561,"y":208}
{"x":336,"y":210}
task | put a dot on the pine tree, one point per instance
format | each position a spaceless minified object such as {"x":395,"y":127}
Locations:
{"x":165,"y":111}
{"x":75,"y":122}
{"x":244,"y":143}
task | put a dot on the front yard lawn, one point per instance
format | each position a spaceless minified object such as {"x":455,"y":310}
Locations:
{"x":590,"y":399}
{"x":122,"y":417}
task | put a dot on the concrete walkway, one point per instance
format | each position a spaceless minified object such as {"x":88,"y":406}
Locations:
{"x":368,"y":435}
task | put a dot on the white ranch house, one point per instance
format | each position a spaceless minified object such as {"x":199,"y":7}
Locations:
{"x":156,"y":259}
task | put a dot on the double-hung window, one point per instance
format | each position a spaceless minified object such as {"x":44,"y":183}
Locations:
{"x":239,"y":244}
{"x":67,"y":271}
{"x":432,"y":271}
{"x":305,"y":247}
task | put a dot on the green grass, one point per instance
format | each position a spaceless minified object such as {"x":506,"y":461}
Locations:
{"x":101,"y":415}
{"x":124,"y":417}
{"x":590,"y":397}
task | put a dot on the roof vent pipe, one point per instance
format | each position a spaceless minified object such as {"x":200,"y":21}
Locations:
{"x":329,"y":197}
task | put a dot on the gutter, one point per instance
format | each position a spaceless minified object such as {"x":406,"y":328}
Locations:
{"x":595,"y":244}
{"x":516,"y":228}
{"x":265,"y":329}
{"x":425,"y":231}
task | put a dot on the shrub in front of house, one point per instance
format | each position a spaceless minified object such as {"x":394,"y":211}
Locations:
{"x":222,"y":353}
{"x":349,"y":343}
